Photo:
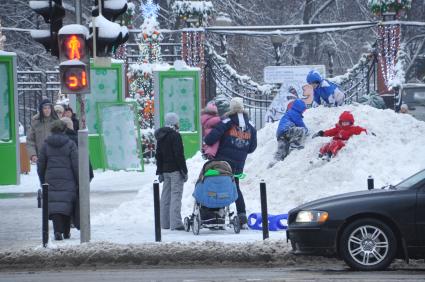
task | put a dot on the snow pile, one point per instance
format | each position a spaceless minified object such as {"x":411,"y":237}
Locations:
{"x":395,"y":153}
{"x":211,"y":253}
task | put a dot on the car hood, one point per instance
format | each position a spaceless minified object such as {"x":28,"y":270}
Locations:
{"x":351,"y":198}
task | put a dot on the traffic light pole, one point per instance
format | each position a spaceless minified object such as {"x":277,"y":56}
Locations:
{"x":83,"y":172}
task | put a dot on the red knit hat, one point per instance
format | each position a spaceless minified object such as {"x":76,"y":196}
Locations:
{"x":346,"y":116}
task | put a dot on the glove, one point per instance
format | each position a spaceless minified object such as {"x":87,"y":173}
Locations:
{"x":184,"y":176}
{"x":317,"y":134}
{"x":161,"y":178}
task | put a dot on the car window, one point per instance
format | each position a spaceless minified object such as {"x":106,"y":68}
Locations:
{"x":411,"y":181}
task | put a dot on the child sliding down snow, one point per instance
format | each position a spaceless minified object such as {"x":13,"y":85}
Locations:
{"x":209,"y":119}
{"x":342,"y":131}
{"x":291,"y":131}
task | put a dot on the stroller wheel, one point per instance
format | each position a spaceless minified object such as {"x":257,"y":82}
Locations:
{"x":236,"y":224}
{"x":196,"y":224}
{"x":186,"y":224}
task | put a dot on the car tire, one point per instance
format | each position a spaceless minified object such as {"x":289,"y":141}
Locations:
{"x":368,"y":244}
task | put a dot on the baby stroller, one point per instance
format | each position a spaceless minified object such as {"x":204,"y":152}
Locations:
{"x":214,"y":191}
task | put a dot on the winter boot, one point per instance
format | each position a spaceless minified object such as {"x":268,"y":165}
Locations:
{"x":296,"y":146}
{"x":66,"y":235}
{"x":243,"y":221}
{"x":58,"y":236}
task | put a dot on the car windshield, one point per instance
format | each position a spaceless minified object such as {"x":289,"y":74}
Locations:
{"x":411,"y":181}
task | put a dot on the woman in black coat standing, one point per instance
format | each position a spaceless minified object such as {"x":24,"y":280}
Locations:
{"x":58,"y":166}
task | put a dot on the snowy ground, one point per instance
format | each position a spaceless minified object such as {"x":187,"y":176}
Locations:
{"x":396,"y":152}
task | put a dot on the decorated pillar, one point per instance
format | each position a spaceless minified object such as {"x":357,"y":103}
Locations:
{"x":194,"y":15}
{"x":388,"y":44}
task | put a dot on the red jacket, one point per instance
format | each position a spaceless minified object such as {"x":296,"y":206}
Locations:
{"x":343,"y":132}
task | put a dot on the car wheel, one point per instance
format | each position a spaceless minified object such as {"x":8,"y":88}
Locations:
{"x":368,"y":244}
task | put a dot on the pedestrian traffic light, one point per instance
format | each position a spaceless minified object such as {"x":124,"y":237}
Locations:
{"x":52,"y":13}
{"x":109,"y":35}
{"x":72,"y":42}
{"x":74,"y":70}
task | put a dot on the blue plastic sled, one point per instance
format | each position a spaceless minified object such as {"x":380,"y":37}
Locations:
{"x":275,"y":221}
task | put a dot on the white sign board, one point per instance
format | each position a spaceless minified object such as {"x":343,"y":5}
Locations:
{"x":289,"y":77}
{"x":290,"y":74}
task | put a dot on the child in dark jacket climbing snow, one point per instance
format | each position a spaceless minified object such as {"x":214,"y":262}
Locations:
{"x":342,"y":131}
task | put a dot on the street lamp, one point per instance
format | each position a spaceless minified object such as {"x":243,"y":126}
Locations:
{"x":223,"y":19}
{"x":277,"y":41}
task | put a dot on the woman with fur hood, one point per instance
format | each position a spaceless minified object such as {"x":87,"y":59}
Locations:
{"x":41,"y":124}
{"x":209,"y":119}
{"x":238,"y":138}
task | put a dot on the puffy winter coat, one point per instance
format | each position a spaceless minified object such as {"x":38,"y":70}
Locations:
{"x":340,"y":132}
{"x":325,"y":89}
{"x":208,"y":121}
{"x":58,"y":166}
{"x":169,"y":151}
{"x":293,"y":117}
{"x":236,"y":140}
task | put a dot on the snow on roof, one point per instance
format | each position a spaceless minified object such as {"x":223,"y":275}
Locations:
{"x":39,"y":33}
{"x":74,"y":29}
{"x":115,"y":4}
{"x":5,"y":53}
{"x":107,"y":29}
{"x":35,"y":5}
{"x":74,"y":62}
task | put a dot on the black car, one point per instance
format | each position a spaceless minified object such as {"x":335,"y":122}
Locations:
{"x":368,"y":229}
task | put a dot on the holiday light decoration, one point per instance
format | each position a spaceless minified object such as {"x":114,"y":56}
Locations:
{"x":193,"y":41}
{"x":140,"y":74}
{"x":388,"y":46}
{"x":2,"y":38}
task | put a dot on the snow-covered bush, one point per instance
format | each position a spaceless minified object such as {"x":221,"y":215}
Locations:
{"x":201,"y":10}
{"x":383,"y":6}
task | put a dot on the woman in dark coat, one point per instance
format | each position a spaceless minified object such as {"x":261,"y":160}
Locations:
{"x":58,"y":166}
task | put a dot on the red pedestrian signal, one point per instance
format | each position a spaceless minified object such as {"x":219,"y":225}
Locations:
{"x":74,"y":68}
{"x":73,"y":48}
{"x":73,"y":44}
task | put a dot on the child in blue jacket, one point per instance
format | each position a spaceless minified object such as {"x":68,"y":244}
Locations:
{"x":324,"y":90}
{"x":291,"y":131}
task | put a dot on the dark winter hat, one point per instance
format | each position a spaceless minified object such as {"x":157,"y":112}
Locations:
{"x":346,"y":116}
{"x":58,"y":126}
{"x":43,"y":103}
{"x":171,"y":119}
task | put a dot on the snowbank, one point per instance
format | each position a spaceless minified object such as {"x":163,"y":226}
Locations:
{"x":102,"y":253}
{"x":397,"y":151}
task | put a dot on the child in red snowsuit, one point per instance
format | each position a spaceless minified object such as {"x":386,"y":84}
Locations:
{"x":342,"y":131}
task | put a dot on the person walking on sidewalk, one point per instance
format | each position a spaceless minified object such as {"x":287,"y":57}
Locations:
{"x":41,"y":124}
{"x":172,"y":170}
{"x":57,"y":165}
{"x":238,"y":138}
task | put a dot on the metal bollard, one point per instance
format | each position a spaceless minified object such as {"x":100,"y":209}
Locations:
{"x":157,"y":211}
{"x":39,"y":198}
{"x":370,"y":183}
{"x":45,"y":212}
{"x":264,"y":213}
